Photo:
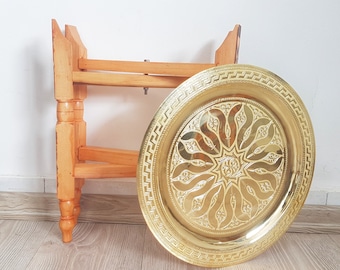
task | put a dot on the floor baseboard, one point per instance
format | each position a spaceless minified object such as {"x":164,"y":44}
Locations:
{"x":125,"y":209}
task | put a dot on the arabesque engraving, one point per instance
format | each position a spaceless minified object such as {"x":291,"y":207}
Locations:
{"x":227,"y":164}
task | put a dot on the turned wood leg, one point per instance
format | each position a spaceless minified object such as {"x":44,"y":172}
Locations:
{"x":70,"y":128}
{"x":76,"y":211}
{"x":67,"y":220}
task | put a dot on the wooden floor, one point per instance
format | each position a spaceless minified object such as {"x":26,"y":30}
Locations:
{"x":37,"y":245}
{"x":125,"y":209}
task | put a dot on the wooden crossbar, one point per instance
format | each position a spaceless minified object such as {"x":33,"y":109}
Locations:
{"x":114,"y":156}
{"x":161,"y":68}
{"x":95,"y":170}
{"x":128,"y":80}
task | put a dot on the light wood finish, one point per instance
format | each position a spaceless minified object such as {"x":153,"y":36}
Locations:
{"x":116,"y":156}
{"x":127,"y":80}
{"x":164,"y":68}
{"x":72,"y":73}
{"x":125,"y":209}
{"x":36,"y":245}
{"x":80,"y":93}
{"x":88,"y":170}
{"x":65,"y":130}
{"x":228,"y":51}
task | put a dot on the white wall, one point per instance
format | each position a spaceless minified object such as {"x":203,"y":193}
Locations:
{"x":298,"y":40}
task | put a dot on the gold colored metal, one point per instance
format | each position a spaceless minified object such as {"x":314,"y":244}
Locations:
{"x":225,"y":165}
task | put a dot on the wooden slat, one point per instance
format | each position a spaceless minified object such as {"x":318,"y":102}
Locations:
{"x":63,"y":92}
{"x":227,"y":53}
{"x":161,"y":68}
{"x":95,"y":170}
{"x":80,"y":93}
{"x":79,"y":49}
{"x":132,"y":80}
{"x":115,"y":156}
{"x":63,"y":89}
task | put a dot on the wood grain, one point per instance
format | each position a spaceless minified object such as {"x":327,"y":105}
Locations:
{"x":94,"y":246}
{"x":125,"y":209}
{"x":95,"y":170}
{"x":317,"y":219}
{"x":127,"y":80}
{"x":164,"y":68}
{"x":19,"y":241}
{"x":29,"y":206}
{"x":95,"y":208}
{"x":38,"y":245}
{"x":335,"y":238}
{"x":115,"y":156}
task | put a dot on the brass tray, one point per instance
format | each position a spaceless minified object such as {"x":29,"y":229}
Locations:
{"x":225,"y":165}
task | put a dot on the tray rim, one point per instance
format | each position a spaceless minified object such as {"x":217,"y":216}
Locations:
{"x":195,"y":84}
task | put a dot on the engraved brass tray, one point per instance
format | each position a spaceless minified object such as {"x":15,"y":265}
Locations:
{"x":225,"y":165}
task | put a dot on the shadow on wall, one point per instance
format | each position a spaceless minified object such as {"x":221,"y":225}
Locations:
{"x":40,"y":106}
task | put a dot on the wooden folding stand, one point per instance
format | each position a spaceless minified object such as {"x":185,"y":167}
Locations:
{"x":73,"y":71}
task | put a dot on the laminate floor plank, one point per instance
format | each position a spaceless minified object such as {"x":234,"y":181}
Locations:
{"x":156,"y":257}
{"x":19,"y":242}
{"x":99,"y":208}
{"x":336,"y":239}
{"x":317,"y":219}
{"x":94,"y":246}
{"x":306,"y":251}
{"x":37,"y":245}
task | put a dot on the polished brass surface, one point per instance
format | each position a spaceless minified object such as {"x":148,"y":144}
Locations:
{"x":225,"y":165}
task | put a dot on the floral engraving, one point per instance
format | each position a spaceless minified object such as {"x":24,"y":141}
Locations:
{"x":226,"y":164}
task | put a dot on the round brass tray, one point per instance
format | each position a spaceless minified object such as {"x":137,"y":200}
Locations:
{"x":225,"y":165}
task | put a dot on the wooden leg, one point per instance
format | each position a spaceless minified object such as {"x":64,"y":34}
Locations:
{"x":65,"y":179}
{"x":67,"y":220}
{"x":76,"y":210}
{"x":69,"y":120}
{"x":80,"y":93}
